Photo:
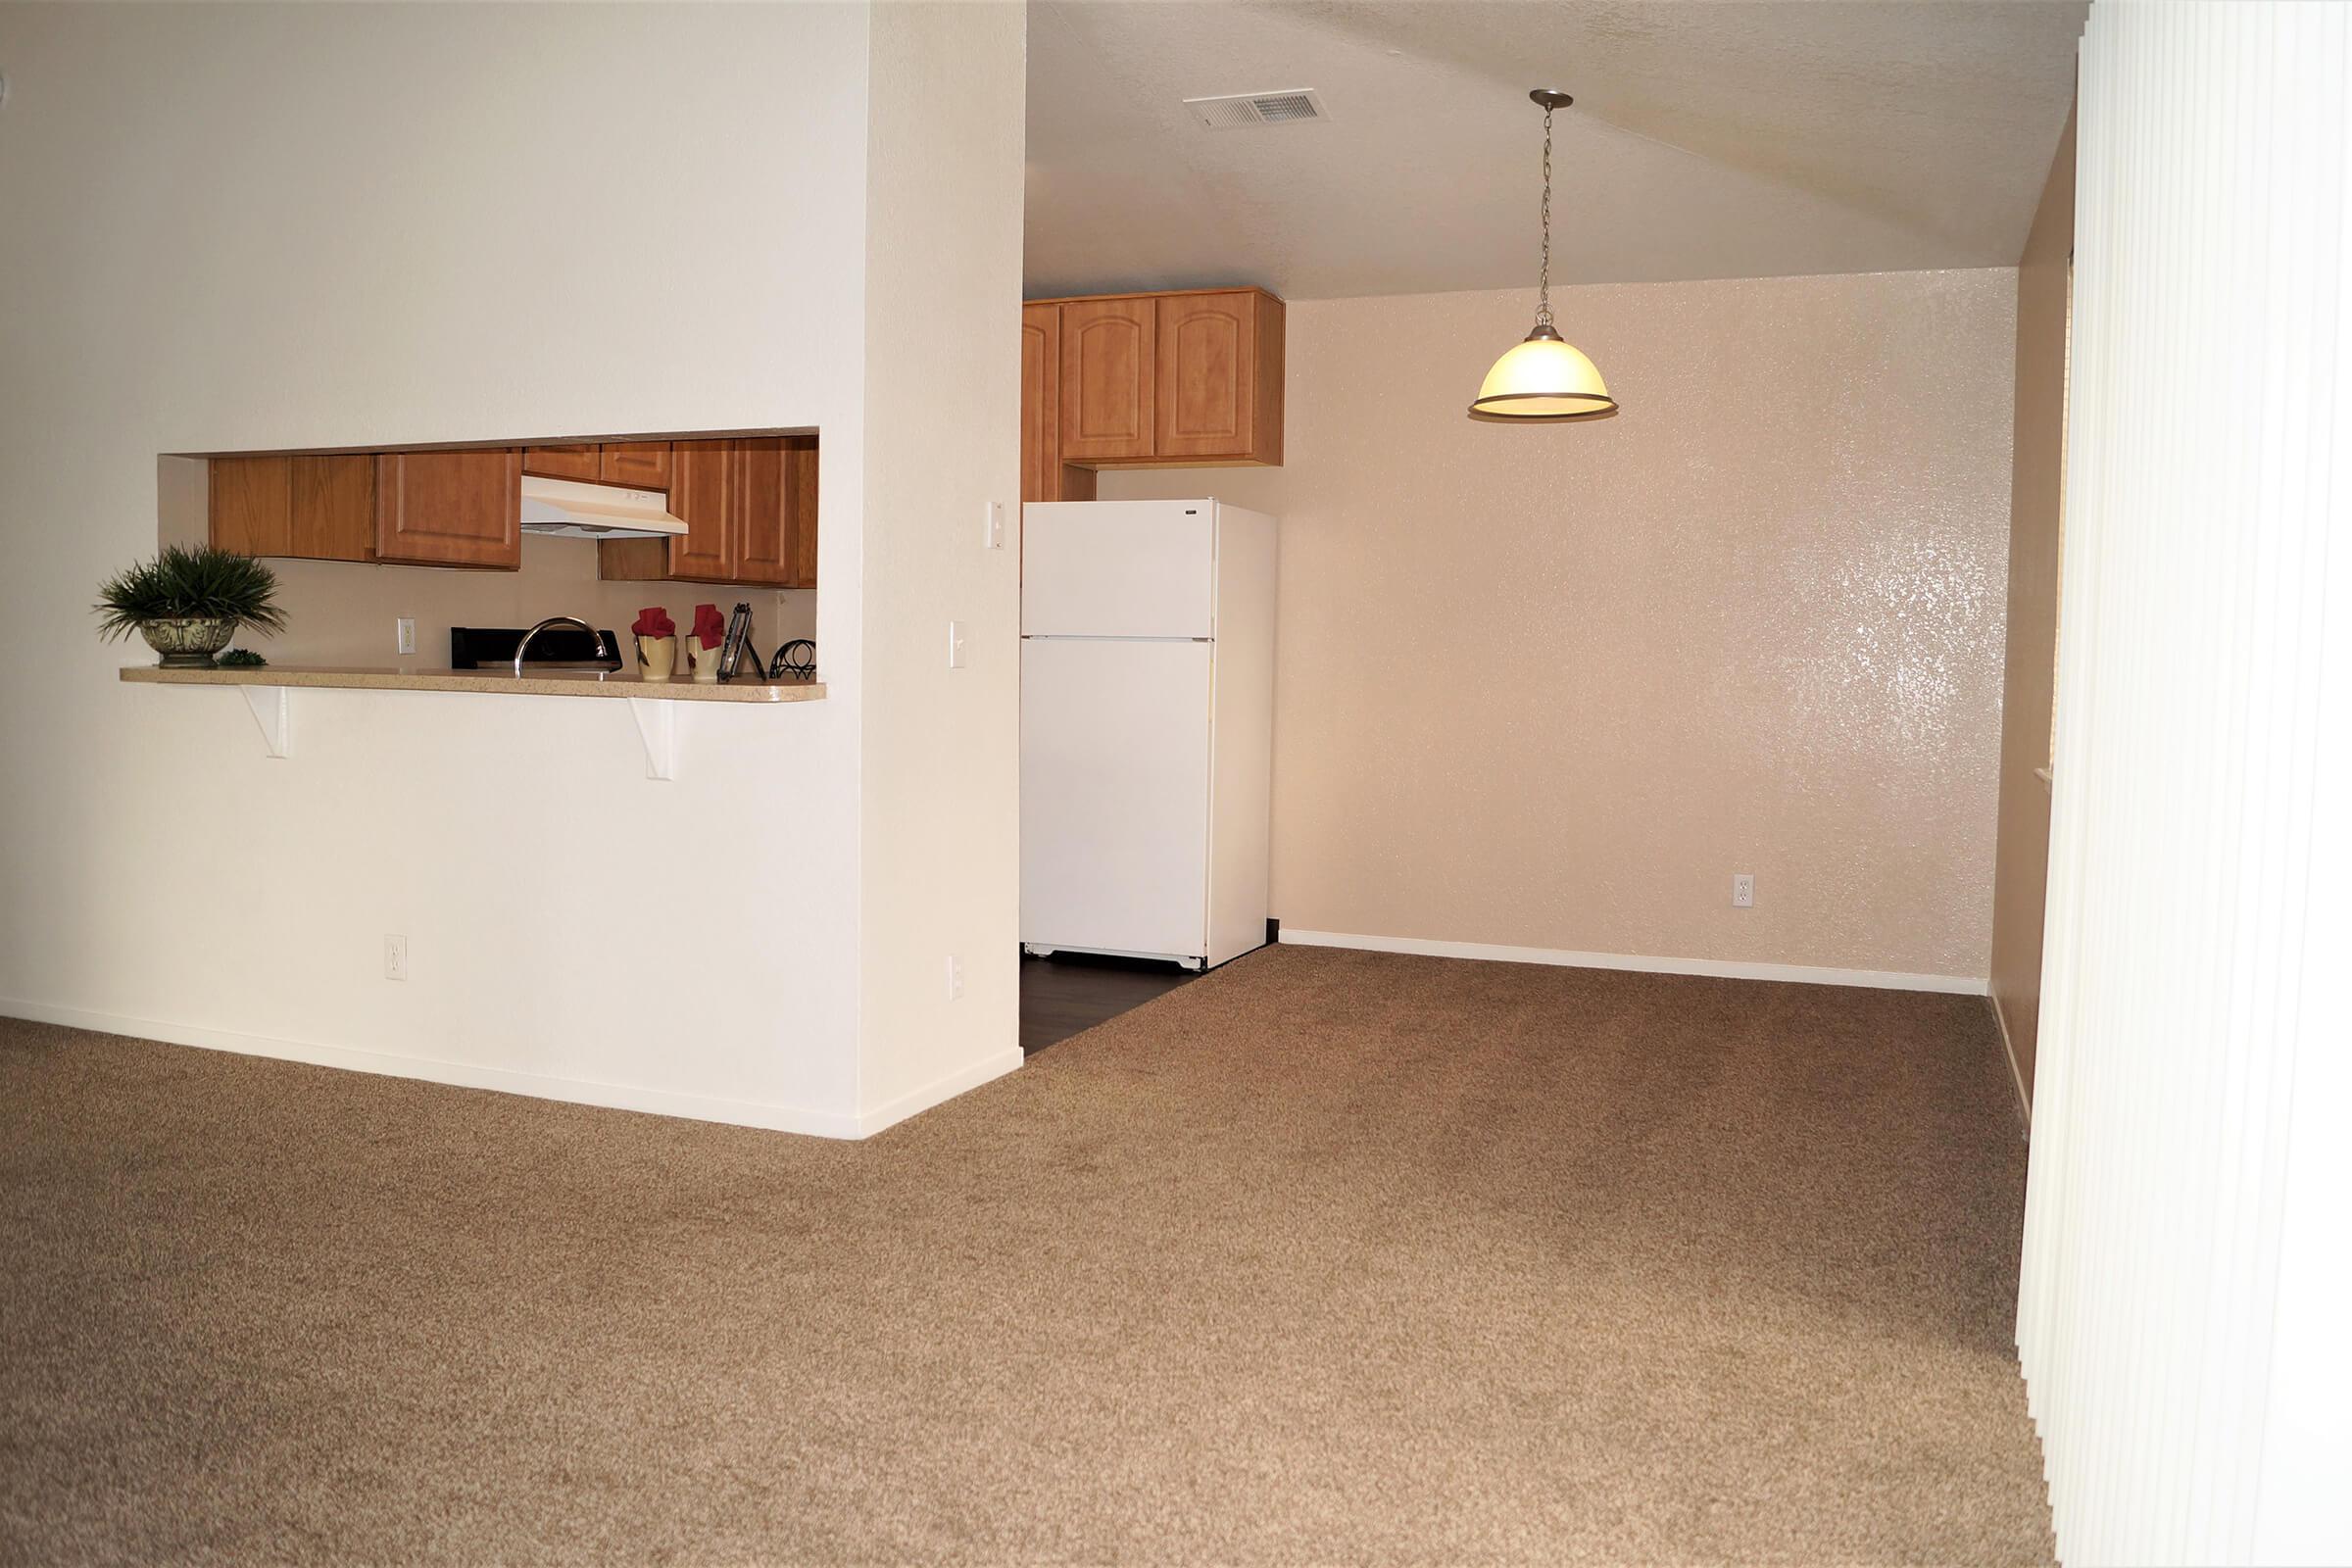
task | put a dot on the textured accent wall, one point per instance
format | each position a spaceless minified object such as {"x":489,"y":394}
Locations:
{"x":1552,"y":687}
{"x":2022,"y":861}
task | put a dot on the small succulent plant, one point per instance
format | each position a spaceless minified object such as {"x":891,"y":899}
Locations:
{"x":241,"y":658}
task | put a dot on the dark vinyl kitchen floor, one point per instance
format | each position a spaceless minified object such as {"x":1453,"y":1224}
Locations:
{"x":1071,"y":993}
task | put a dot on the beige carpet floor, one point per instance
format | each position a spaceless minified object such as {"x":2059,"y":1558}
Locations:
{"x":1326,"y":1258}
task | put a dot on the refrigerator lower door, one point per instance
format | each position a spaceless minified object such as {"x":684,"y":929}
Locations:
{"x":1114,"y":796}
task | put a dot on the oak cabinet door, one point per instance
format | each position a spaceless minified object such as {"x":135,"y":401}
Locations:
{"x":1107,"y":379}
{"x":775,"y":512}
{"x":701,"y":494}
{"x":640,"y":464}
{"x":450,"y":509}
{"x":761,"y":555}
{"x":251,"y":503}
{"x":1207,"y":385}
{"x":799,"y":510}
{"x":565,"y":462}
{"x":1041,"y":403}
{"x":333,"y":516}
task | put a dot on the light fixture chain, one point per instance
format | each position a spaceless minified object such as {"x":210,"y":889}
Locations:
{"x":1543,"y":278}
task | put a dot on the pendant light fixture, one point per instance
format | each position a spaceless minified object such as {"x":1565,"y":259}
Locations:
{"x":1543,"y":380}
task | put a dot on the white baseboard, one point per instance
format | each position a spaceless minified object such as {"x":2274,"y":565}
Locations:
{"x":2025,"y":1102}
{"x":1721,"y":969}
{"x":939,"y":1089}
{"x":466,"y":1075}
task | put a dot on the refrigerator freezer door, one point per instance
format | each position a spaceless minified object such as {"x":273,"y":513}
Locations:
{"x":1114,"y":796}
{"x":1118,"y":569}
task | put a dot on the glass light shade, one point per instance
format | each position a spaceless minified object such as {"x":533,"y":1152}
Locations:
{"x":1544,"y":379}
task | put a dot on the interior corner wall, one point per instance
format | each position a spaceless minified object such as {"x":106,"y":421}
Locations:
{"x":941,"y":762}
{"x":1551,"y":687}
{"x":2021,"y":861}
{"x":231,"y":226}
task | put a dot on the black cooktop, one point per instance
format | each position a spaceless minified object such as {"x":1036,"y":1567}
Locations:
{"x":558,"y":647}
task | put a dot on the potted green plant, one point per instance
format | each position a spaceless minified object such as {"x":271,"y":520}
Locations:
{"x":188,"y":603}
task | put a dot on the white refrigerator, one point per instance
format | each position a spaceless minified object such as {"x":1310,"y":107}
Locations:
{"x":1146,"y":727}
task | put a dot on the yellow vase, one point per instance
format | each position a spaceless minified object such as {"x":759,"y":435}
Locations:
{"x":657,"y":656}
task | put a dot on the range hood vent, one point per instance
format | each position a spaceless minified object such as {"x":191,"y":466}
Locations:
{"x":1237,"y":110}
{"x":569,"y":510}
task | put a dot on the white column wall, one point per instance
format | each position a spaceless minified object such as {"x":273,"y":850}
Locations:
{"x":230,"y":227}
{"x":940,"y":772}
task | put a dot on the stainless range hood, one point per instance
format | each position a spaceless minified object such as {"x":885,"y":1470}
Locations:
{"x":569,"y":510}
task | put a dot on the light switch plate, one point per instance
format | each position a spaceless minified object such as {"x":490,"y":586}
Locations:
{"x":404,"y":631}
{"x":954,"y":645}
{"x":993,"y":534}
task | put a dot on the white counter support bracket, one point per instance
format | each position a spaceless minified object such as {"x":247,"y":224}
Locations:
{"x":657,"y":728}
{"x":274,"y":712}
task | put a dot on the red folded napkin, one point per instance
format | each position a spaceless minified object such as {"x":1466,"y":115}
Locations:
{"x":709,"y":627}
{"x":654,"y":621}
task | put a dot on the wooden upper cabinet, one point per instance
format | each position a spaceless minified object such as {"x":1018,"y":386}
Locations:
{"x":251,"y":501}
{"x":702,"y":493}
{"x":332,"y":511}
{"x":750,"y":509}
{"x":775,"y":512}
{"x":1148,"y":380}
{"x":1041,"y":402}
{"x":584,"y":463}
{"x":311,"y":506}
{"x":1107,"y":380}
{"x":763,"y":553}
{"x":450,"y":509}
{"x":799,"y":510}
{"x":1207,"y":402}
{"x":640,"y":464}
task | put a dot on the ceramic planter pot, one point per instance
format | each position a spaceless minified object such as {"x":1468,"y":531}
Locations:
{"x":704,"y":659}
{"x":657,"y":656}
{"x":188,"y":644}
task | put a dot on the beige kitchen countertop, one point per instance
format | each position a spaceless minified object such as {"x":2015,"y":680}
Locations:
{"x":548,"y":683}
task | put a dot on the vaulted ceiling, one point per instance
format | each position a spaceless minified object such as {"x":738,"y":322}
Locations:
{"x":1710,"y":138}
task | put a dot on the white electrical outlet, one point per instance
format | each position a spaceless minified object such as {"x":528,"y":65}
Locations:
{"x":954,"y":645}
{"x":404,"y":633}
{"x":1743,"y":891}
{"x":954,"y":978}
{"x":993,"y":529}
{"x":396,"y":957}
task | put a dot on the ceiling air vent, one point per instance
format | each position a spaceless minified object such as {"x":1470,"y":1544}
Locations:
{"x":1240,"y":109}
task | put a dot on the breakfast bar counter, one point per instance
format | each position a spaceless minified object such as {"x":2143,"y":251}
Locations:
{"x":540,"y":683}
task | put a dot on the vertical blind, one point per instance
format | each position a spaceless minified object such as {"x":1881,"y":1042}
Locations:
{"x":2186,"y":1303}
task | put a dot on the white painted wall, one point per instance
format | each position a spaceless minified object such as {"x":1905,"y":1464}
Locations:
{"x":231,"y":226}
{"x":2182,"y":1303}
{"x":941,"y":780}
